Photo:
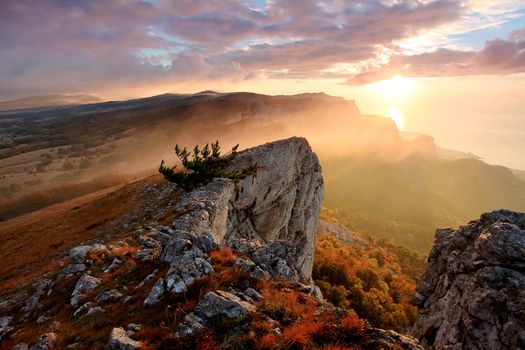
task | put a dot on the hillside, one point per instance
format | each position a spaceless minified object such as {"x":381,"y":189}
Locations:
{"x":47,"y":101}
{"x":174,"y":272}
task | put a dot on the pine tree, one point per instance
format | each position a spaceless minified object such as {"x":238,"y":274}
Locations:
{"x":205,"y":165}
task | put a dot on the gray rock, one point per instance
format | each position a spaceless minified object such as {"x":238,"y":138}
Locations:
{"x":41,"y":290}
{"x":472,"y":294}
{"x":46,"y":342}
{"x":79,"y":254}
{"x":93,"y":310}
{"x":83,"y":308}
{"x":85,"y":283}
{"x":119,"y":340}
{"x":43,"y":319}
{"x":278,"y":258}
{"x":389,"y":340}
{"x":175,"y":247}
{"x":156,"y":293}
{"x":248,"y":266}
{"x":214,"y":304}
{"x":71,"y":270}
{"x":252,"y":293}
{"x":223,"y":304}
{"x":186,"y":269}
{"x":109,"y":295}
{"x":20,"y":346}
{"x":150,"y":249}
{"x":5,"y":327}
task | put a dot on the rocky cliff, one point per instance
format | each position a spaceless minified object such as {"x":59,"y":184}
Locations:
{"x":472,"y":295}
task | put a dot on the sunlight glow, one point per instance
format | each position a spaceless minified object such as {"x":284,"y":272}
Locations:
{"x":395,"y":114}
{"x":397,"y":88}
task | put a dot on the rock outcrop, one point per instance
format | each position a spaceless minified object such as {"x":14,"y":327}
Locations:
{"x":283,"y":199}
{"x":472,"y":295}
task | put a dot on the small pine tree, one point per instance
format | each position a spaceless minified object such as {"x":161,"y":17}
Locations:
{"x":206,"y":164}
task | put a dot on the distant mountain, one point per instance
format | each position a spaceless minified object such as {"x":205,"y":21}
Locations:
{"x":47,"y":101}
{"x":380,"y":182}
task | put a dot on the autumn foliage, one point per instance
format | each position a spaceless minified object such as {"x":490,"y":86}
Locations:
{"x":367,"y":279}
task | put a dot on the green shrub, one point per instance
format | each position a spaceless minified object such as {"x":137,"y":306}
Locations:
{"x":206,"y":164}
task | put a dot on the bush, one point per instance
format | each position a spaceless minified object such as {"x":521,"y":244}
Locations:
{"x":204,"y":166}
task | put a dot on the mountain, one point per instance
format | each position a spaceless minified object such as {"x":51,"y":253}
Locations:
{"x":379,"y":182}
{"x":47,"y":101}
{"x":225,"y":265}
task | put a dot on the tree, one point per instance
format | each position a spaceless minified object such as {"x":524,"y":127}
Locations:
{"x":206,"y":164}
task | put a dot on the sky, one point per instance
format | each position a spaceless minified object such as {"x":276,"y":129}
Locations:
{"x":453,"y":69}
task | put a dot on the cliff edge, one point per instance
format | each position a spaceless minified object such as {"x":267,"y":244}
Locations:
{"x":472,"y":295}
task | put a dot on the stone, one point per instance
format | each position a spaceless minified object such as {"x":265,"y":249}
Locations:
{"x":472,"y":294}
{"x":5,"y":328}
{"x":214,"y":304}
{"x":20,"y":346}
{"x":119,"y":340}
{"x":41,"y":290}
{"x":83,"y":308}
{"x":109,"y":295}
{"x":85,"y":283}
{"x":156,"y":293}
{"x":186,"y":269}
{"x":278,"y":258}
{"x":42,"y":319}
{"x":150,"y":249}
{"x":71,"y":270}
{"x":224,"y":304}
{"x":46,"y":342}
{"x":78,"y":254}
{"x":389,"y":340}
{"x":252,"y":293}
{"x":94,"y":310}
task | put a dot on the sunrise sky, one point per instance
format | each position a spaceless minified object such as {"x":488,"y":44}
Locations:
{"x":452,"y":69}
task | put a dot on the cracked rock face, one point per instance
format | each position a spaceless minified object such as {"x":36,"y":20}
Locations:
{"x":282,"y":200}
{"x":472,"y":295}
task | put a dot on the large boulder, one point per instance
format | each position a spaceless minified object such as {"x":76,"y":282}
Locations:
{"x":472,"y":295}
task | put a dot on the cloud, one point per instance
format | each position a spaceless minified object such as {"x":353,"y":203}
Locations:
{"x":497,"y":57}
{"x":59,"y":45}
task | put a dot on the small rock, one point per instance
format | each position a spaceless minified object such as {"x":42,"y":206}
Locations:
{"x":43,"y":319}
{"x":70,"y":270}
{"x":5,"y":329}
{"x":150,"y":249}
{"x":20,"y":346}
{"x":118,"y":340}
{"x":85,"y":283}
{"x":156,"y":293}
{"x":83,"y":308}
{"x":109,"y":295}
{"x":79,"y":254}
{"x":186,"y":269}
{"x":94,"y":310}
{"x":252,"y":293}
{"x":225,"y":304}
{"x":45,"y":342}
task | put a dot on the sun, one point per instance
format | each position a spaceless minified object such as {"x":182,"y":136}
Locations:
{"x":395,"y":114}
{"x":397,"y":88}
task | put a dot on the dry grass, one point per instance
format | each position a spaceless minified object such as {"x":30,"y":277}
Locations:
{"x":31,"y":242}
